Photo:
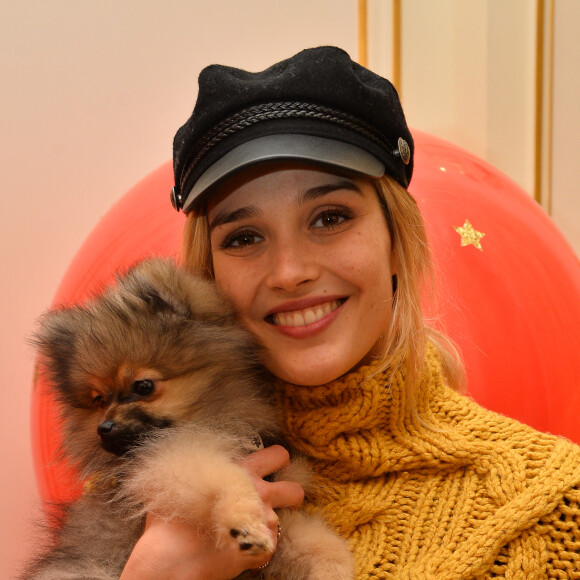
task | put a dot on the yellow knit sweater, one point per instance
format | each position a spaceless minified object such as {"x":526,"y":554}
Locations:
{"x":451,"y":492}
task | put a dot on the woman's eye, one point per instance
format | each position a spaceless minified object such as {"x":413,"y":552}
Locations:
{"x":241,"y":240}
{"x":331,"y":219}
{"x":144,"y":387}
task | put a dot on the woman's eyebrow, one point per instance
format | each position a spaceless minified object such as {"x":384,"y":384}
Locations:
{"x":320,"y":190}
{"x":226,"y":217}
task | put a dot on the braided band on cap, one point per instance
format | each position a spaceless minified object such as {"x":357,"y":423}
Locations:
{"x":271,"y":111}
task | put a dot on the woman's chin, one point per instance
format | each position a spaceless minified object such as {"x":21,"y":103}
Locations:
{"x":309,"y":375}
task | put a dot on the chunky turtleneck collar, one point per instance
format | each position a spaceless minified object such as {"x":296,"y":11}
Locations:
{"x":361,"y":424}
{"x":441,"y":489}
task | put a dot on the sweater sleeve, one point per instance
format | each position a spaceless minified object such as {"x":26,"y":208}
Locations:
{"x":561,"y":533}
{"x":554,"y":541}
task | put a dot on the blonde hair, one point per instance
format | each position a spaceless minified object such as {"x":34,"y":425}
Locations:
{"x":408,"y":333}
{"x":196,"y":245}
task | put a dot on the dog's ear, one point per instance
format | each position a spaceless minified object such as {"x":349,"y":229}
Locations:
{"x":56,"y":342}
{"x":148,"y":284}
{"x":162,"y":302}
{"x":169,"y":289}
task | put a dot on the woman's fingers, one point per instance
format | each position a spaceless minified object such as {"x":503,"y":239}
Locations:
{"x":266,"y":461}
{"x":274,"y":494}
{"x":280,"y":494}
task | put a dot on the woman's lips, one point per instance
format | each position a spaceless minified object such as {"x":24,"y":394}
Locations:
{"x":304,"y":316}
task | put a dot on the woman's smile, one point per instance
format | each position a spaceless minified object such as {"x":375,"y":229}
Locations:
{"x":304,"y":323}
{"x":305,"y":316}
{"x":305,"y":257}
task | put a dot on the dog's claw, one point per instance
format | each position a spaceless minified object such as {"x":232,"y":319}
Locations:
{"x":248,"y":542}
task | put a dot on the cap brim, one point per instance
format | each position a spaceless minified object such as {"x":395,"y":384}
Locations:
{"x":307,"y":148}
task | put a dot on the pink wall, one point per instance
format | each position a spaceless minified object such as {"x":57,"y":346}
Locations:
{"x":92,"y":93}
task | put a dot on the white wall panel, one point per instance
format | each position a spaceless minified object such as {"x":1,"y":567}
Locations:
{"x":566,"y":121}
{"x":469,"y":76}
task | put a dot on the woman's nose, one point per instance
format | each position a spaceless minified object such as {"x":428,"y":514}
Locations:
{"x":290,"y":266}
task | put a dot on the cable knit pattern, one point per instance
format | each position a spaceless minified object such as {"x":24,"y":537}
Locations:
{"x":451,"y":492}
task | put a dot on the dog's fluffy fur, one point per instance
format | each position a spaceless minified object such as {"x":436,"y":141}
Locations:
{"x":161,"y":391}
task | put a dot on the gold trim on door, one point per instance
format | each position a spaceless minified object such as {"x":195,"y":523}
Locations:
{"x":363,"y":41}
{"x":397,"y":26}
{"x":543,"y":112}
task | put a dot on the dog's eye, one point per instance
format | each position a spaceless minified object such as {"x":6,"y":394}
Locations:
{"x":98,"y":401}
{"x":144,"y":387}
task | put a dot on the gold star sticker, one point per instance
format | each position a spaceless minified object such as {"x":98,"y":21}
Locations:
{"x":469,"y":235}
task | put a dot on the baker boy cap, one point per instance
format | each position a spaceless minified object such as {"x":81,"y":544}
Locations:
{"x":316,"y":107}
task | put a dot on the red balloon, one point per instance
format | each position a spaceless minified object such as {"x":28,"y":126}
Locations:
{"x":509,"y":297}
{"x":513,"y":307}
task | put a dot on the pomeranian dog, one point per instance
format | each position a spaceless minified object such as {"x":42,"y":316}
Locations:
{"x":161,"y":390}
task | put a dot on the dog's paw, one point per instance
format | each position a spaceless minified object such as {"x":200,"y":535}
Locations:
{"x":238,"y":515}
{"x":252,"y":539}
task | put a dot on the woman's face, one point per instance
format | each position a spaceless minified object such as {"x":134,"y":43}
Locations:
{"x":305,"y":257}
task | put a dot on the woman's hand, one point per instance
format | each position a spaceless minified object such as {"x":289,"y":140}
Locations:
{"x":174,"y":550}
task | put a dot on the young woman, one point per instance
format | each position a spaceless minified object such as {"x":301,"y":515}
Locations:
{"x":294,"y":181}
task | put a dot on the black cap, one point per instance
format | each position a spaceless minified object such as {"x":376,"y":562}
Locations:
{"x":318,"y":106}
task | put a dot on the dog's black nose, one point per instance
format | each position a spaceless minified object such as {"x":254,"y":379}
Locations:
{"x":105,"y":427}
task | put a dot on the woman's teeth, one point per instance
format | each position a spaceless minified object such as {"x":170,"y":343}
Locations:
{"x":306,"y":316}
